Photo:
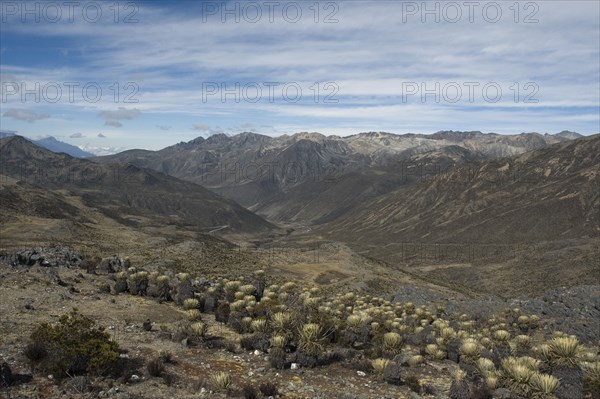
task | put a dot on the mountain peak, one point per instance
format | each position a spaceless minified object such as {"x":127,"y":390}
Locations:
{"x":566,"y":134}
{"x":218,"y":138}
{"x":314,"y":136}
{"x":197,"y":140}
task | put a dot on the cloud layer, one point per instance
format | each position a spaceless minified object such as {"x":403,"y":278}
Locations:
{"x":351,"y":66}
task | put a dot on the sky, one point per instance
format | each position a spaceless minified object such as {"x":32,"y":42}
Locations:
{"x":109,"y":76}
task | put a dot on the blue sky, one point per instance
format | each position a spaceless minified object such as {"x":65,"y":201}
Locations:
{"x":192,"y":69}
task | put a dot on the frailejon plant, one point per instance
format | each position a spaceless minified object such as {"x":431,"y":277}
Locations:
{"x":193,"y":315}
{"x":311,"y":344}
{"x":392,"y":344}
{"x":416,"y":360}
{"x":543,"y":385}
{"x":191,"y":303}
{"x":379,"y":366}
{"x":282,"y":324}
{"x":277,"y":356}
{"x":591,"y":376}
{"x":220,"y":381}
{"x":516,"y":373}
{"x":470,"y":350}
{"x":564,"y":351}
{"x":485,"y":367}
{"x":459,"y":389}
{"x":198,"y":331}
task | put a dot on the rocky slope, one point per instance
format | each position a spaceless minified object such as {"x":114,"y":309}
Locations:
{"x":121,"y":191}
{"x":537,"y":211}
{"x":254,"y":169}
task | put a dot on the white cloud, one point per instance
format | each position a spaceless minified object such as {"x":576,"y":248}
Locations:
{"x":120,"y":114}
{"x":76,"y":135}
{"x":112,"y":118}
{"x":25,"y":115}
{"x":201,"y":127}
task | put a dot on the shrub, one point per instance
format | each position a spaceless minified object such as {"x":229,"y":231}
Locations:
{"x":516,"y":374}
{"x":155,"y":367}
{"x":249,"y":391}
{"x":268,"y":388}
{"x":247,"y":342}
{"x":76,"y":346}
{"x":277,"y":358}
{"x":259,"y":326}
{"x":35,"y":352}
{"x":501,"y":335}
{"x":222,"y":312}
{"x":485,"y":366}
{"x":470,"y":350}
{"x":413,"y":383}
{"x":138,"y":283}
{"x":166,"y":357}
{"x":163,"y":290}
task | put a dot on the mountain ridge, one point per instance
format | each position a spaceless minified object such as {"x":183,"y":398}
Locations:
{"x":253,"y":169}
{"x":124,"y":189}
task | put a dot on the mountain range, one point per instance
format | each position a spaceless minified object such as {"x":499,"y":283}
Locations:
{"x":52,"y":144}
{"x":467,"y":211}
{"x":311,"y":178}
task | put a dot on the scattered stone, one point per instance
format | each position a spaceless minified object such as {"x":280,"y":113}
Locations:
{"x":6,"y":376}
{"x":43,"y":256}
{"x":393,"y":374}
{"x":147,"y":325}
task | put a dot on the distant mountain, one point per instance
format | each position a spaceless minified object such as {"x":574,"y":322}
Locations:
{"x":125,"y":192}
{"x":293,"y":178}
{"x":54,"y":145}
{"x":568,"y":135}
{"x":6,"y":134}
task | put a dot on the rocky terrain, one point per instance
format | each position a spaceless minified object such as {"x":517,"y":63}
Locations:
{"x":161,"y":354}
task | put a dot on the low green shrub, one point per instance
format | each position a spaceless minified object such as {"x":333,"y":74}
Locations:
{"x":75,"y":346}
